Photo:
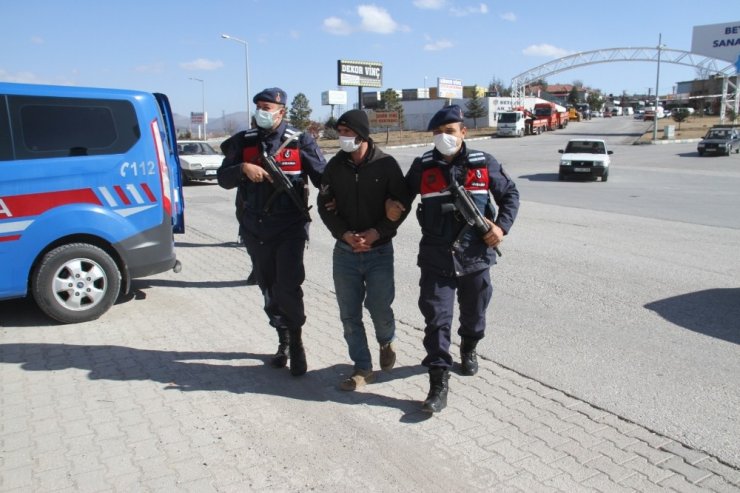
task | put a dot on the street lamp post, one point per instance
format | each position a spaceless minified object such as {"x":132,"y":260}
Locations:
{"x":246,"y":65}
{"x":203,"y":103}
{"x":657,"y":84}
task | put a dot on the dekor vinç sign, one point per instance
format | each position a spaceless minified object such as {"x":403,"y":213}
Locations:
{"x":359,"y":73}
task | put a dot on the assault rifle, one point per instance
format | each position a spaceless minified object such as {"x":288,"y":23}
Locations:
{"x":282,"y":183}
{"x":464,"y":205}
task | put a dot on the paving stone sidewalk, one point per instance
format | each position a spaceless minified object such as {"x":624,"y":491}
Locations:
{"x":172,"y":391}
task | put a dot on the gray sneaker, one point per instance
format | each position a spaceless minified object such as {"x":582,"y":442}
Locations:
{"x":387,"y":356}
{"x":359,"y":378}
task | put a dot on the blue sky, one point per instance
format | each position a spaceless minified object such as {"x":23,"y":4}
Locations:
{"x":158,"y":45}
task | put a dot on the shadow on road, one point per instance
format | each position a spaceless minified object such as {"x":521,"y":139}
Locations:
{"x":713,"y":312}
{"x":187,"y":371}
{"x":540,"y":177}
{"x":23,"y":312}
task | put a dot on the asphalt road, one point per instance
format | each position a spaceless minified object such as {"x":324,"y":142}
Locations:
{"x":625,"y":294}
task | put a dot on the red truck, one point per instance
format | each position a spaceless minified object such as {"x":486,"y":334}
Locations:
{"x":554,"y":115}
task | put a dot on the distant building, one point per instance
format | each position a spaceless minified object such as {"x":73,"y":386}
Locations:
{"x":418,"y":113}
{"x":703,"y":94}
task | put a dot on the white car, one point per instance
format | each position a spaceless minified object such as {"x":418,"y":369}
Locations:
{"x":198,"y":160}
{"x":585,"y":157}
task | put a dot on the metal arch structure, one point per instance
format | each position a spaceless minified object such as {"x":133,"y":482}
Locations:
{"x":639,"y":54}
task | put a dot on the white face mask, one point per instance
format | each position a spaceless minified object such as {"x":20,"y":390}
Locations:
{"x":348,"y":144}
{"x":265,"y":119}
{"x":446,"y":144}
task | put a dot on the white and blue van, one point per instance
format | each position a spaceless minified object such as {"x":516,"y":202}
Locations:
{"x":90,"y":195}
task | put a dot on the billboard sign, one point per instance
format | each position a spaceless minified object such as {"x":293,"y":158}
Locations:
{"x":449,"y":88}
{"x":721,"y":41}
{"x":383,"y":118}
{"x":357,"y":73}
{"x":198,"y":118}
{"x":334,"y":97}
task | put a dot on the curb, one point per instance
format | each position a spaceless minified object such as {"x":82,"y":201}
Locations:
{"x":661,"y":142}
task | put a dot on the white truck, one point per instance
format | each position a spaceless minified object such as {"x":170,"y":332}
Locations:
{"x":518,"y":123}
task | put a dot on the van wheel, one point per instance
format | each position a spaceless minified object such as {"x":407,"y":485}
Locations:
{"x":76,"y":283}
{"x":605,"y":176}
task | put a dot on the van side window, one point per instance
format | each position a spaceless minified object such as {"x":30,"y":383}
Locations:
{"x":58,"y":127}
{"x":6,"y":150}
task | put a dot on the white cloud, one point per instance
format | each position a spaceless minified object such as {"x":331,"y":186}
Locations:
{"x":430,"y":4}
{"x":21,"y":77}
{"x":508,"y":16}
{"x":337,"y":26}
{"x":202,"y":64}
{"x":372,"y":19}
{"x":37,"y":40}
{"x":377,"y":20}
{"x":438,"y":45}
{"x":545,"y":50}
{"x":295,"y":34}
{"x":462,"y":12}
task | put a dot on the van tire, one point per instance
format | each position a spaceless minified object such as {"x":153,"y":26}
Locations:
{"x":97,"y":289}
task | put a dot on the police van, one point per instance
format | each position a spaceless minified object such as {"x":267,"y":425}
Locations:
{"x":90,"y":195}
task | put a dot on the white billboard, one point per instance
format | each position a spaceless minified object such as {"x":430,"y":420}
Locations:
{"x":721,"y":41}
{"x":449,"y":88}
{"x":334,"y":97}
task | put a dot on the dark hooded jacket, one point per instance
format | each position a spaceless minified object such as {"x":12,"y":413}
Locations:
{"x":360,"y":192}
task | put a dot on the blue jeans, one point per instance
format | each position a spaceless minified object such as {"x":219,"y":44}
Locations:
{"x":364,"y":277}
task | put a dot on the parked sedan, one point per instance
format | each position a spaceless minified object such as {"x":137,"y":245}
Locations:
{"x":198,"y":160}
{"x":720,"y":140}
{"x":586,"y":158}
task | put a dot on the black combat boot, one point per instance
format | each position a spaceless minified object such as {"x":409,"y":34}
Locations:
{"x":438,"y":388}
{"x":297,"y":354}
{"x":468,"y":357}
{"x":280,"y":359}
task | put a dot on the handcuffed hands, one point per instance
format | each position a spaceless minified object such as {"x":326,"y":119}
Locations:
{"x":361,"y":241}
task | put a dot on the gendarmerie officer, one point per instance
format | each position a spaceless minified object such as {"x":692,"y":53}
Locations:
{"x":275,"y":228}
{"x":452,"y":255}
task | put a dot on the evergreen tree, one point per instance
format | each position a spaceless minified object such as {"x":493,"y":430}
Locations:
{"x":573,"y":96}
{"x":680,"y":115}
{"x":595,"y":101}
{"x":476,"y":109}
{"x":300,"y":112}
{"x":389,"y":101}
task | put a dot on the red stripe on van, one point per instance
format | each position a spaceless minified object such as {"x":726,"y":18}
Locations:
{"x":148,"y":192}
{"x":122,"y":195}
{"x":33,"y":204}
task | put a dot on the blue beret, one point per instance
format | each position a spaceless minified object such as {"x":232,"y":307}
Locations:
{"x":271,"y":95}
{"x":448,"y":114}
